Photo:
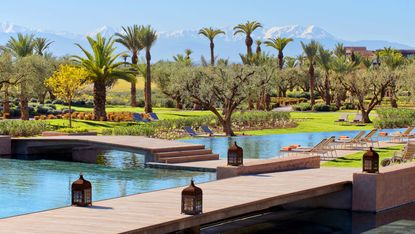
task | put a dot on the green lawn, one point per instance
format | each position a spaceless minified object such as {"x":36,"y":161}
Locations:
{"x":355,"y":160}
{"x":314,"y":122}
{"x":307,"y":121}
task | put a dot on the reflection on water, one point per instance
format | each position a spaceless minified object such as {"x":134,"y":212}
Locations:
{"x":35,"y":185}
{"x":314,"y":221}
{"x":267,"y":146}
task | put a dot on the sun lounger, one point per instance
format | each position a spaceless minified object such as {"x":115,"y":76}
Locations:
{"x":322,"y":148}
{"x":401,"y":136}
{"x":343,"y":118}
{"x":190,"y":131}
{"x":350,"y":141}
{"x":137,"y":117}
{"x":154,"y":116}
{"x":368,"y":139}
{"x":358,"y":120}
{"x":209,"y":132}
{"x":404,"y":156}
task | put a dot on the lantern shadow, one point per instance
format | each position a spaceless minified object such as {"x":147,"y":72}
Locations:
{"x":100,"y":207}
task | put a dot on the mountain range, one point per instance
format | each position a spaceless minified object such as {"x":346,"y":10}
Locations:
{"x":173,"y":42}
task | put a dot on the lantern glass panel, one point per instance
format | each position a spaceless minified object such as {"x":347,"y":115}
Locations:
{"x":87,"y":196}
{"x":188,"y":203}
{"x":77,"y":197}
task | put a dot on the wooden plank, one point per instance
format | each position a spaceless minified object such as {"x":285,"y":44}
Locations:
{"x":159,"y":211}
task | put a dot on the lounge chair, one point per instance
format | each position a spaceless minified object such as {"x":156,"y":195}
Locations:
{"x":154,"y":116}
{"x":358,"y":120}
{"x":137,"y":117}
{"x":209,"y":132}
{"x":350,"y":141}
{"x":401,"y":136}
{"x":190,"y":131}
{"x":343,"y":118}
{"x":320,"y":148}
{"x":404,"y":156}
{"x":369,"y":138}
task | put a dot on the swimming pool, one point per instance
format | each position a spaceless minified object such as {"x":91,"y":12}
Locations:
{"x":34,"y":185}
{"x":267,"y":146}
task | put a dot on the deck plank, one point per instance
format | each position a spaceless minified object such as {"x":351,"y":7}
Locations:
{"x":159,"y":211}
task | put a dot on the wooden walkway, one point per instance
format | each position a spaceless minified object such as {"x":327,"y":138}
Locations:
{"x":136,"y":144}
{"x":159,"y":211}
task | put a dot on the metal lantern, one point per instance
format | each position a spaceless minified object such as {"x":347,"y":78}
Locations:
{"x":235,"y":155}
{"x":81,"y":192}
{"x":192,"y":197}
{"x":371,"y":161}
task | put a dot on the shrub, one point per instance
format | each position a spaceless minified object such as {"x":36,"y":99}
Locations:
{"x":19,"y":128}
{"x":302,"y":107}
{"x":348,"y":106}
{"x":324,"y":108}
{"x":140,"y":102}
{"x":137,"y":130}
{"x":395,"y":118}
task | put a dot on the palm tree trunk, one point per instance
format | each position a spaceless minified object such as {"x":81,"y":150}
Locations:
{"x":212,"y":53}
{"x":100,"y":93}
{"x":147,"y":98}
{"x":249,"y":42}
{"x":311,"y":73}
{"x":280,"y":59}
{"x":327,"y":90}
{"x":133,"y":89}
{"x":133,"y":94}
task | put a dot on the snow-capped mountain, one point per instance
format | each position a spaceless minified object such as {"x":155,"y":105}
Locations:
{"x":170,"y":43}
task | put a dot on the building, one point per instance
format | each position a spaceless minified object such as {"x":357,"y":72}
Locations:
{"x":362,"y":50}
{"x":407,"y":53}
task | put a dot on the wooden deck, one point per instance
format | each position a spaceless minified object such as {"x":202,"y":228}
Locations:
{"x":124,"y":142}
{"x":159,"y":211}
{"x":149,"y":147}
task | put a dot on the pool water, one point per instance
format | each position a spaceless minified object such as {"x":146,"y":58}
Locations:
{"x":267,"y":146}
{"x":312,"y":221}
{"x":34,"y":185}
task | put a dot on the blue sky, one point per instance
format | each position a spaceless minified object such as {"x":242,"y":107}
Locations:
{"x":347,"y":19}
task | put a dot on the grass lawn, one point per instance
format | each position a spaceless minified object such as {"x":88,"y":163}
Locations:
{"x":314,"y":122}
{"x":307,"y":121}
{"x":355,"y":160}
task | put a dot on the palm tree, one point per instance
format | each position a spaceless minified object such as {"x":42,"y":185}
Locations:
{"x":103,"y":70}
{"x":211,"y":33}
{"x":339,"y":50}
{"x":258,"y":46}
{"x":310,"y":51}
{"x":324,"y":58}
{"x":184,"y":59}
{"x":41,"y":45}
{"x":147,"y":37}
{"x":279,"y":44}
{"x":248,"y":28}
{"x":21,"y":46}
{"x":130,"y":40}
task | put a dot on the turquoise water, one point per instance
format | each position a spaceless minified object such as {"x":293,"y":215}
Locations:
{"x":267,"y":146}
{"x":34,"y":185}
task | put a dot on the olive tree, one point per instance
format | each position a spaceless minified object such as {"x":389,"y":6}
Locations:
{"x":214,"y":87}
{"x":368,"y":84}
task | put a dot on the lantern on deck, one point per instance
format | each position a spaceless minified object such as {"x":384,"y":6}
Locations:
{"x":81,"y":192}
{"x":192,"y":197}
{"x":371,"y":161}
{"x":235,"y":155}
